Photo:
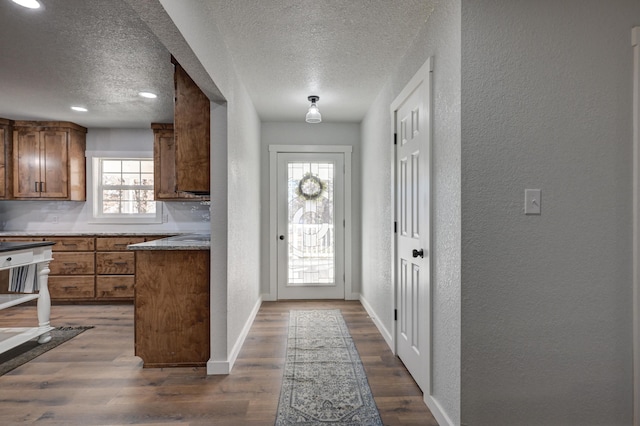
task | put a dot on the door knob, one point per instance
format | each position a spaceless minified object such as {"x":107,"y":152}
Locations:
{"x":282,"y":237}
{"x":417,"y":253}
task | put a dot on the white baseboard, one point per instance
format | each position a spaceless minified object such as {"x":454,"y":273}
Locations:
{"x":388,"y":337}
{"x":224,"y":367}
{"x":352,"y":296}
{"x":437,"y":411}
{"x":243,"y":335}
{"x":268,"y":297}
{"x":218,"y":368}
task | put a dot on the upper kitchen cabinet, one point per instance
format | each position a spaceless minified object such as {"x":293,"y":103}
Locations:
{"x":49,"y":161}
{"x":6,"y":178}
{"x":191,"y":133}
{"x":164,"y":165}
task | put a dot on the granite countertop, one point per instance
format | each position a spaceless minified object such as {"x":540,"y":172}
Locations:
{"x":179,"y":242}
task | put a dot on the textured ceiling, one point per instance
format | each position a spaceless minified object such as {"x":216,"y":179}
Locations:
{"x":99,"y":54}
{"x":92,"y":53}
{"x":343,"y":51}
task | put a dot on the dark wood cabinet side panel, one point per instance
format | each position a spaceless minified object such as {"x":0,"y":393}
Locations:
{"x":172,"y":307}
{"x":192,"y":134}
{"x":77,"y":166}
{"x":6,"y":160}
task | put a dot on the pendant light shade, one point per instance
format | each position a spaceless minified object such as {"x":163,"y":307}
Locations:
{"x":313,"y":115}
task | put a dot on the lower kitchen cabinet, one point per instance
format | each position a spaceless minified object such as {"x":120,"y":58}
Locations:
{"x":73,"y":268}
{"x":172,"y":307}
{"x":115,"y":267}
{"x":89,"y":268}
{"x":115,"y":286}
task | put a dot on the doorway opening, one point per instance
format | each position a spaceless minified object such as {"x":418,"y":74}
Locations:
{"x":310,"y":222}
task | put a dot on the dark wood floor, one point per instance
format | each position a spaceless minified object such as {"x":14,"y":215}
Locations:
{"x":94,"y":379}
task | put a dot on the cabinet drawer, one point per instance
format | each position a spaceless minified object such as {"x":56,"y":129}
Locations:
{"x":156,"y":237}
{"x":16,"y":258}
{"x":115,"y":263}
{"x":115,"y":286}
{"x":21,"y":239}
{"x":72,"y":243}
{"x":76,"y":287}
{"x":116,"y":243}
{"x":72,"y":263}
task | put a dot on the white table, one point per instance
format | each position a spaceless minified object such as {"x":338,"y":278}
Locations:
{"x":14,"y":254}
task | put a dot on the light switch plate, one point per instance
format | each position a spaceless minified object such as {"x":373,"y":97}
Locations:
{"x":532,"y":201}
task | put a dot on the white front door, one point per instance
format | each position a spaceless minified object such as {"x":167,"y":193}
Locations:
{"x":413,"y":292}
{"x":310,"y":221}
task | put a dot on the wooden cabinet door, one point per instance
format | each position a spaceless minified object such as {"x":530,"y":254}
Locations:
{"x":192,"y":134}
{"x":26,"y":160}
{"x":164,"y":164}
{"x":53,"y":164}
{"x":3,"y":162}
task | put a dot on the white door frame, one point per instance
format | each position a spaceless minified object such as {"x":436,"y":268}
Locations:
{"x":635,"y":41}
{"x":424,"y":74}
{"x":274,"y":150}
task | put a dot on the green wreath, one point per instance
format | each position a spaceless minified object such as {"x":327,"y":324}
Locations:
{"x":310,"y":187}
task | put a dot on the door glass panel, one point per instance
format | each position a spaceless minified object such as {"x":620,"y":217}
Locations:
{"x":311,"y":225}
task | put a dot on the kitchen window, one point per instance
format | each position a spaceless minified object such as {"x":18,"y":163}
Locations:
{"x":123,"y":191}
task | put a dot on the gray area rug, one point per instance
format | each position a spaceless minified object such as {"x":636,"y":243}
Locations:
{"x":324,"y":381}
{"x":24,"y":353}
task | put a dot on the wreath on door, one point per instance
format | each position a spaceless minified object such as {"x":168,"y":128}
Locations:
{"x":310,"y":187}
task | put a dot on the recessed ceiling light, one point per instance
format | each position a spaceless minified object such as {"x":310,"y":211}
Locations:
{"x":79,"y":109}
{"x":148,"y":95}
{"x":30,"y":4}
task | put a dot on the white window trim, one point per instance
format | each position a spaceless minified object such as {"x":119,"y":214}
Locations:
{"x":94,"y":171}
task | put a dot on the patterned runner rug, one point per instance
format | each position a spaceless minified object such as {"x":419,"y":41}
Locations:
{"x":324,"y":381}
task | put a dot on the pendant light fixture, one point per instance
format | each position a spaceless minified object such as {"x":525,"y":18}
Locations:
{"x":313,"y":115}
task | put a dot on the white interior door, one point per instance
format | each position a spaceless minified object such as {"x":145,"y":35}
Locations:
{"x":413,"y":292}
{"x":310,"y":217}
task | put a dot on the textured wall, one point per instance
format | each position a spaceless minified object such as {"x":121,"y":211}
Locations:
{"x":242,"y":193}
{"x":310,"y":134}
{"x":39,"y":216}
{"x":243,"y":212}
{"x":440,"y":38}
{"x":546,"y":300}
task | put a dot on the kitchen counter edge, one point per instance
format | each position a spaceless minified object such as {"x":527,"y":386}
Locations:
{"x":167,"y":244}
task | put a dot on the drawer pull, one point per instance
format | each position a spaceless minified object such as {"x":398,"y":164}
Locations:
{"x":70,"y":244}
{"x":70,"y":264}
{"x":120,"y":287}
{"x":70,"y":287}
{"x":120,"y":263}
